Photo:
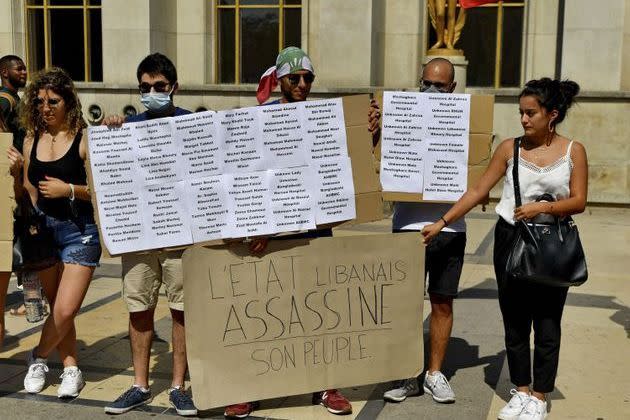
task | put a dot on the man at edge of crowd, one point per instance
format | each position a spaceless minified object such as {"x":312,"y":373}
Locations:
{"x":144,"y":273}
{"x":295,"y":74}
{"x":444,"y":257}
{"x":13,"y":75}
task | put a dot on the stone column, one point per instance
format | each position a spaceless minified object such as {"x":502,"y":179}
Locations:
{"x":126,"y":39}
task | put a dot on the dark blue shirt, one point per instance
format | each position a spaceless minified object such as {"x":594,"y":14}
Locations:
{"x":146,"y":116}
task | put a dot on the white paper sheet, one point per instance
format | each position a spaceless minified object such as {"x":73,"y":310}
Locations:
{"x":446,"y":156}
{"x":201,"y":152}
{"x":402,"y":144}
{"x":209,"y":211}
{"x":157,"y":151}
{"x":248,"y":198}
{"x":112,"y":157}
{"x":242,"y":143}
{"x":445,"y":177}
{"x":446,"y":116}
{"x":291,"y":200}
{"x":283,"y":140}
{"x":121,"y":220}
{"x":333,"y":191}
{"x":325,"y":130}
{"x":166,"y":215}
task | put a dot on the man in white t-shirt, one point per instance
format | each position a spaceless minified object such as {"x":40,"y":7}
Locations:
{"x":444,"y":256}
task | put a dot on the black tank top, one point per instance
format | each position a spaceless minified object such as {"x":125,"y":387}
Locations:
{"x":69,"y":168}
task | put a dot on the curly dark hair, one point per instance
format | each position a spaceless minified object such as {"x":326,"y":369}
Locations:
{"x":58,"y":81}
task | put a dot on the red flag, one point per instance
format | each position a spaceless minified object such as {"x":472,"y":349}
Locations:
{"x":467,"y":4}
{"x":268,"y":82}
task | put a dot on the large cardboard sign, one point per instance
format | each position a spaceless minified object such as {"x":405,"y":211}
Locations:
{"x":7,"y":203}
{"x":309,"y":315}
{"x":424,"y":134}
{"x":367,"y":187}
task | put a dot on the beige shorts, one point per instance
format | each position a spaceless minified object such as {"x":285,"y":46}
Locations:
{"x":144,"y":274}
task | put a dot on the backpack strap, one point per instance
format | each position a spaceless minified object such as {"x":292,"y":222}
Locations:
{"x":10,"y":98}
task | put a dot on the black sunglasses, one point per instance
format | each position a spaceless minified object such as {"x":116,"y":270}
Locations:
{"x":160,"y":87}
{"x":52,"y":102}
{"x":294,"y":79}
{"x":440,"y":86}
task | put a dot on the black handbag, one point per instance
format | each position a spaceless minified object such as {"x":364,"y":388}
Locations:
{"x":548,"y":254}
{"x":34,"y":246}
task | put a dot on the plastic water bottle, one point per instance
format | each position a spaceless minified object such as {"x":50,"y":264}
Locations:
{"x":33,"y":300}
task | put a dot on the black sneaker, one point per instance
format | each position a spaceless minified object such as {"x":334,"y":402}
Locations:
{"x":130,"y":399}
{"x":181,"y":402}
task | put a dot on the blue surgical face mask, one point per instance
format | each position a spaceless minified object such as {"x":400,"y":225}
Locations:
{"x":156,"y":101}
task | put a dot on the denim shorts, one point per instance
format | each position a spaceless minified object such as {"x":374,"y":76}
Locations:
{"x":77,"y":240}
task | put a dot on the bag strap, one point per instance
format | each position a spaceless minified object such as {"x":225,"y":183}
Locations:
{"x":517,"y":186}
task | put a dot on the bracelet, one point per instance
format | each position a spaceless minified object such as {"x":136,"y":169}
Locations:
{"x":444,"y":220}
{"x":71,"y":192}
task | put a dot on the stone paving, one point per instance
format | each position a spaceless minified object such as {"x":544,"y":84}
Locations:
{"x":593,"y":379}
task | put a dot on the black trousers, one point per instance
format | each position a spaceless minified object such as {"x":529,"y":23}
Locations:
{"x":523,"y":305}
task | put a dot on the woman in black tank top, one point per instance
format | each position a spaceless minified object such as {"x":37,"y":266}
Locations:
{"x":55,"y":178}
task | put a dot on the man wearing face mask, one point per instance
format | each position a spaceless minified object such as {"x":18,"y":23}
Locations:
{"x":145,"y":273}
{"x":443,"y":259}
{"x":157,"y":82}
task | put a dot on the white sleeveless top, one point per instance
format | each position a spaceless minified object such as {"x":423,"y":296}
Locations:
{"x":535,"y":181}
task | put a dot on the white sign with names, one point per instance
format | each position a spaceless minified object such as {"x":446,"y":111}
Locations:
{"x":193,"y":178}
{"x":425,"y":144}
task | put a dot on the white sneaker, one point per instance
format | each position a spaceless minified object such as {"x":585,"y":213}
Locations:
{"x":402,"y":389}
{"x":515,"y":406}
{"x":535,"y":409}
{"x":437,"y":385}
{"x":71,"y":383}
{"x":35,"y":378}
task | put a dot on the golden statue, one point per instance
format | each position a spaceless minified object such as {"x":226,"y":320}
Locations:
{"x":448,"y":25}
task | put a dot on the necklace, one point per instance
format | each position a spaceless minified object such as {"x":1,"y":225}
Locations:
{"x":53,"y":140}
{"x":531,"y":146}
{"x":539,"y":152}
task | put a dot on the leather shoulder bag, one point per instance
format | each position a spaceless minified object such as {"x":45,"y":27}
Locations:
{"x":548,"y":254}
{"x":34,"y":246}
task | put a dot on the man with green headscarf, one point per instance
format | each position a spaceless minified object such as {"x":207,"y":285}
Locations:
{"x":294,"y":71}
{"x":295,"y":74}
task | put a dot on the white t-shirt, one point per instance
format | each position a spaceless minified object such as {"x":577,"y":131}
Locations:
{"x":415,"y":216}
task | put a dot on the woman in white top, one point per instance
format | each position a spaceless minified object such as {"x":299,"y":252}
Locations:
{"x":548,"y":163}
